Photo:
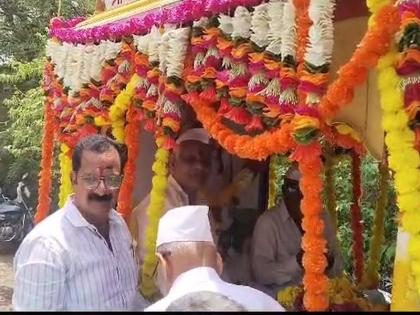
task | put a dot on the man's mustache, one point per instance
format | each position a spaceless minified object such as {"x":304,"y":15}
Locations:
{"x":104,"y":198}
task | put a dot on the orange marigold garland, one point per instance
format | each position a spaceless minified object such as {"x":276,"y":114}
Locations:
{"x":374,"y":44}
{"x":315,"y":282}
{"x":259,"y":147}
{"x":132,"y":137}
{"x":45,"y":178}
{"x":356,"y":216}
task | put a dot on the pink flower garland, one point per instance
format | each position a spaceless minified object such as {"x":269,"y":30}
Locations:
{"x":187,"y":11}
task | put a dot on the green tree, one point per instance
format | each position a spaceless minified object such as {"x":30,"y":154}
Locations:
{"x":23,"y":36}
{"x":24,"y":25}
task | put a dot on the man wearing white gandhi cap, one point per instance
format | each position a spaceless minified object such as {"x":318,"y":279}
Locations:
{"x":276,"y":245}
{"x":188,"y":261}
{"x":189,"y":167}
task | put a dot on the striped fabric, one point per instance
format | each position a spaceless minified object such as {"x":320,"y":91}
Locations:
{"x":65,"y":264}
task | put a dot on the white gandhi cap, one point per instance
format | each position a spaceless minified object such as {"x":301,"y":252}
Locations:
{"x":194,"y":134}
{"x":185,"y":224}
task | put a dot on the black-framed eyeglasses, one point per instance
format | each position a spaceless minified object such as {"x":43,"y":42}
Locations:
{"x":111,"y":181}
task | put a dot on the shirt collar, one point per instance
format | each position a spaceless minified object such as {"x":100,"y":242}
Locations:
{"x":177,"y":188}
{"x":191,"y":278}
{"x":284,"y":213}
{"x":76,"y":218}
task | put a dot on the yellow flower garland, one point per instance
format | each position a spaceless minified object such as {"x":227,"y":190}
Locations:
{"x":119,"y":108}
{"x":66,"y":166}
{"x":404,"y":160}
{"x":154,"y":212}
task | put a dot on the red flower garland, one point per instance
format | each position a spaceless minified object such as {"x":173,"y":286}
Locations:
{"x":356,"y":215}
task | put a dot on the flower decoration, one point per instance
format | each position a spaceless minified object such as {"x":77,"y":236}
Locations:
{"x":154,"y":212}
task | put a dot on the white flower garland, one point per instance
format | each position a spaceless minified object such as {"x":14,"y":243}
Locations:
{"x":275,"y":15}
{"x":289,"y":33}
{"x":77,"y":65}
{"x":225,"y":24}
{"x":154,"y":41}
{"x":142,"y":43}
{"x":163,"y":50}
{"x":241,"y":23}
{"x":177,"y":51}
{"x":201,"y":22}
{"x":260,"y":26}
{"x":321,"y":32}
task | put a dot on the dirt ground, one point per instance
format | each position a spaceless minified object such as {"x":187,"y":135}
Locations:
{"x":6,"y":278}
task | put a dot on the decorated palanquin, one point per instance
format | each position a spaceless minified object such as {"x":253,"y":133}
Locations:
{"x":259,"y":76}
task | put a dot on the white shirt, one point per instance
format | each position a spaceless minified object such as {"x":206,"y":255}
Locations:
{"x":207,"y":279}
{"x":65,"y":264}
{"x":276,"y":242}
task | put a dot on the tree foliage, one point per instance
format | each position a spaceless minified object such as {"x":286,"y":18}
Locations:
{"x":370,"y":182}
{"x":24,"y":25}
{"x":23,"y":36}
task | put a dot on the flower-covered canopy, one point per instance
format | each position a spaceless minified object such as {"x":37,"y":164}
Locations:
{"x":256,"y":73}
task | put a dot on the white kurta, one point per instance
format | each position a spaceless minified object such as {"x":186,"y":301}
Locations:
{"x":207,"y":279}
{"x":175,"y":197}
{"x":65,"y":264}
{"x":276,"y":242}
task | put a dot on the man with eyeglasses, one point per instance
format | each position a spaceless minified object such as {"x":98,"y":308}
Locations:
{"x":81,"y":257}
{"x":276,"y":246}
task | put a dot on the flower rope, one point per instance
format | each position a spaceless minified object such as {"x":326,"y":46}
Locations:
{"x":45,"y":178}
{"x":132,"y":139}
{"x":404,"y":160}
{"x":154,"y":212}
{"x":66,"y":187}
{"x":374,"y":44}
{"x":315,"y":281}
{"x":118,"y":110}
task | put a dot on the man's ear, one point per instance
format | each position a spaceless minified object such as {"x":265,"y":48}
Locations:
{"x":164,"y":267}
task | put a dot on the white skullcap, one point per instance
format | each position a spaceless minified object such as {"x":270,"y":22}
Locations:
{"x":185,"y":224}
{"x":194,"y":134}
{"x":293,"y":172}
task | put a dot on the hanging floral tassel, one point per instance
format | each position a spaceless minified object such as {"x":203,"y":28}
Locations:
{"x":154,"y":212}
{"x":132,"y":135}
{"x":45,"y":178}
{"x":315,"y":281}
{"x":357,"y":221}
{"x":371,"y":276}
{"x":66,"y":167}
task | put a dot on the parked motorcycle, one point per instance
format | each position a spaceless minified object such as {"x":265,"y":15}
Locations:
{"x":16,"y":218}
